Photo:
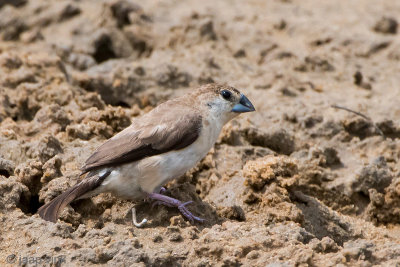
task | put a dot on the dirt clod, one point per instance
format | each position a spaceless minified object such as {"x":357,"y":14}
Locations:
{"x":386,"y":25}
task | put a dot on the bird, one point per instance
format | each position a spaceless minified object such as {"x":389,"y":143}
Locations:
{"x":156,"y":148}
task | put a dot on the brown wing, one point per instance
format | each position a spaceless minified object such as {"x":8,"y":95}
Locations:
{"x":168,"y":127}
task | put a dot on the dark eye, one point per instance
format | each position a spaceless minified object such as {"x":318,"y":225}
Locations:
{"x":226,"y":94}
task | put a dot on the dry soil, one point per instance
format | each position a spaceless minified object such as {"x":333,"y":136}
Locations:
{"x":297,"y":183}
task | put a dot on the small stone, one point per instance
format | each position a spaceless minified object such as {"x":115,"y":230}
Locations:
{"x":175,"y":237}
{"x":325,"y":245}
{"x":386,"y":25}
{"x":281,"y":25}
{"x":207,"y":31}
{"x":253,"y":255}
{"x":240,"y":53}
{"x":157,"y":239}
{"x":233,"y":213}
{"x":106,"y":240}
{"x":358,"y":77}
{"x":6,"y":167}
{"x":69,"y":11}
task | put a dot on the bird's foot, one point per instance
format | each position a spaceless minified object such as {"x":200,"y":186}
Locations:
{"x":172,"y":202}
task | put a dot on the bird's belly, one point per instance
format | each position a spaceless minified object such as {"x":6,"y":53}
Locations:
{"x":122,"y":182}
{"x":133,"y":179}
{"x":176,"y":163}
{"x":158,"y":170}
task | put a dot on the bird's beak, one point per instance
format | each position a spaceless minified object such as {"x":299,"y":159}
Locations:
{"x":244,"y":105}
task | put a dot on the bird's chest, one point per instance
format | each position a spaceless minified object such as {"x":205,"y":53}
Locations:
{"x":184,"y":159}
{"x":209,"y":134}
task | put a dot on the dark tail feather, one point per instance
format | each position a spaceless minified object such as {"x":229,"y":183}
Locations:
{"x":52,"y":210}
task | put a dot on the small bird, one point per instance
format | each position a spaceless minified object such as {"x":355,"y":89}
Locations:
{"x":157,"y":147}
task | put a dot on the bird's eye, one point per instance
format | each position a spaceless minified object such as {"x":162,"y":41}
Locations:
{"x":226,"y":94}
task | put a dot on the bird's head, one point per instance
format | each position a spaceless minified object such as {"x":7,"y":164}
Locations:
{"x":223,"y":101}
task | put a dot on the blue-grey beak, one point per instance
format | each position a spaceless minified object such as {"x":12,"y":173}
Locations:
{"x":244,"y":105}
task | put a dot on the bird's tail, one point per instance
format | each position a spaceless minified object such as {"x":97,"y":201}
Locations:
{"x":52,"y":210}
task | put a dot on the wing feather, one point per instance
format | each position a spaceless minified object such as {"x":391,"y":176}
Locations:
{"x":158,"y":131}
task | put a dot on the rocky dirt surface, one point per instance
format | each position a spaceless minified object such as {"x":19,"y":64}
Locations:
{"x":296,"y":183}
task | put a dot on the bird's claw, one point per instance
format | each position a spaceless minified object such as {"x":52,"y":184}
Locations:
{"x":185,"y":212}
{"x":171,"y":202}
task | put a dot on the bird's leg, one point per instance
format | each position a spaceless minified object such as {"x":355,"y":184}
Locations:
{"x":161,"y":191}
{"x":172,"y":202}
{"x":135,"y":221}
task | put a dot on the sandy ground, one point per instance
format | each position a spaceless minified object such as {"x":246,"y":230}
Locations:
{"x":297,"y":183}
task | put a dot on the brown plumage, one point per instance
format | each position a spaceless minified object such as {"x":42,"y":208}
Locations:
{"x":145,"y":137}
{"x":134,"y":143}
{"x":171,"y":126}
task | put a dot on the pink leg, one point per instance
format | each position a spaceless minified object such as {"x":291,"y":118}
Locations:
{"x":172,"y":202}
